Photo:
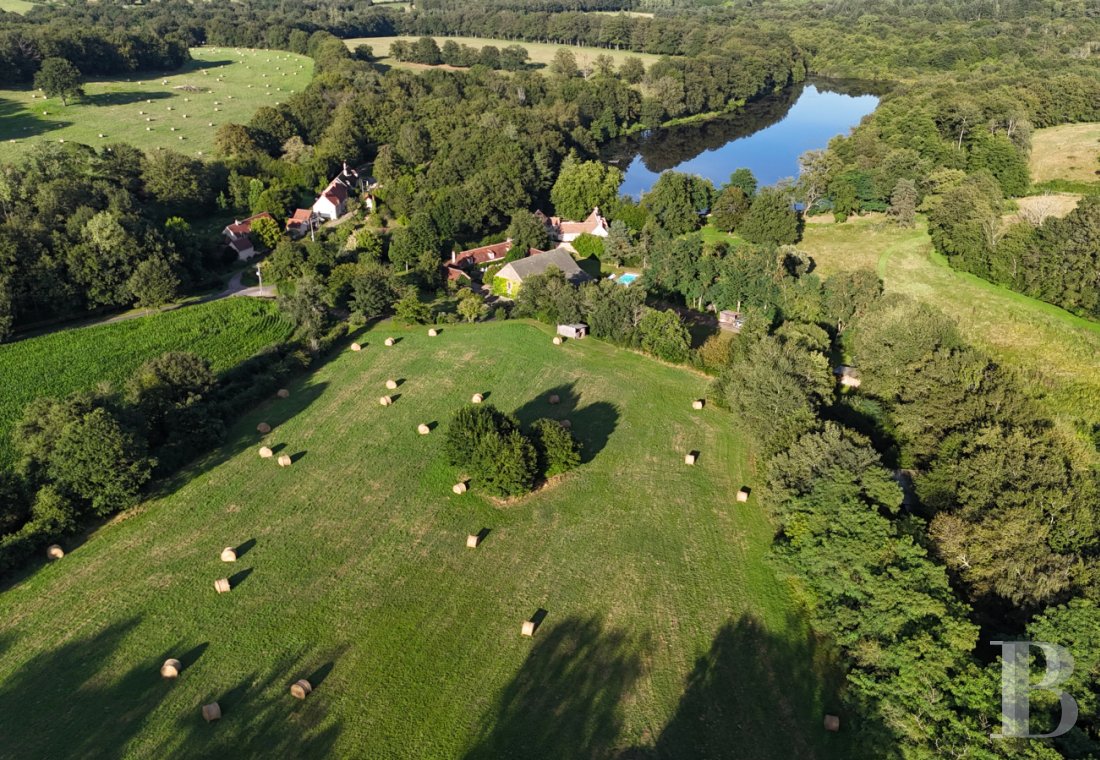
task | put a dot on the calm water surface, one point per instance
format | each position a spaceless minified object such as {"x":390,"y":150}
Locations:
{"x":767,"y":136}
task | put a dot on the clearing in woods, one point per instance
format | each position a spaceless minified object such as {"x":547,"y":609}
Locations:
{"x":1069,"y":152}
{"x":176,"y":110}
{"x":541,"y":54}
{"x":667,"y":626}
{"x":1056,"y":353}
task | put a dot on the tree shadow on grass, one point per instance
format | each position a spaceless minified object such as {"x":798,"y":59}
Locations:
{"x":18,"y":122}
{"x":123,"y":98}
{"x":565,"y":702}
{"x":757,"y":695}
{"x":592,"y":424}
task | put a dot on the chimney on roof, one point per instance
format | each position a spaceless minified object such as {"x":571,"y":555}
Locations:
{"x":454,"y":255}
{"x":345,"y":167}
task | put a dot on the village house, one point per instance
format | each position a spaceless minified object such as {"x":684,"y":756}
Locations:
{"x":238,"y":235}
{"x":511,"y":277}
{"x":332,"y":203}
{"x":298,"y":224}
{"x":565,"y":231}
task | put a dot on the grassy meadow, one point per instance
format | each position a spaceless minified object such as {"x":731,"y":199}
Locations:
{"x":172,"y":110}
{"x":225,"y":332}
{"x":1068,"y":152}
{"x":16,"y":6}
{"x":540,"y":54}
{"x":1057,"y":354}
{"x":667,"y":632}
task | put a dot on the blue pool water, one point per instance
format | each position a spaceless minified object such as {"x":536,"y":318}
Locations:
{"x":626,"y":279}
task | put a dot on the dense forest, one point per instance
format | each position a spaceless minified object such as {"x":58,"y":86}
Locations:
{"x":936,"y":504}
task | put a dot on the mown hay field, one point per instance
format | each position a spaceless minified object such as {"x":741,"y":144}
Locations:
{"x":173,"y":110}
{"x":225,"y":332}
{"x":667,"y":632}
{"x":1067,"y":152}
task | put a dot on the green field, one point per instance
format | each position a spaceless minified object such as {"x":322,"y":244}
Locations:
{"x":1057,"y":353}
{"x":539,"y":53}
{"x":225,"y":332}
{"x":667,"y":629}
{"x":1068,"y":152}
{"x":135,"y":110}
{"x":16,"y":6}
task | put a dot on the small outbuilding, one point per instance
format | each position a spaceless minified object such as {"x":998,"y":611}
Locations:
{"x":847,"y":376}
{"x":575,"y":331}
{"x":730,"y":320}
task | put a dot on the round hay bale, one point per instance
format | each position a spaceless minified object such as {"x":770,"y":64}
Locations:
{"x":689,"y":459}
{"x":389,"y":341}
{"x":55,"y":552}
{"x":832,"y":723}
{"x":697,"y":404}
{"x":528,"y":628}
{"x":554,"y":398}
{"x":222,"y":585}
{"x":743,"y":495}
{"x":391,"y":384}
{"x":356,"y":347}
{"x":477,"y":398}
{"x":557,"y":340}
{"x":472,"y":541}
{"x":423,"y":429}
{"x":229,"y":554}
{"x":171,"y":668}
{"x":385,"y":401}
{"x":263,"y":428}
{"x":433,"y":332}
{"x":566,"y":424}
{"x":283,"y":393}
{"x":266,"y":453}
{"x":284,"y":460}
{"x":300,"y":689}
{"x":211,"y":712}
{"x":459,"y":488}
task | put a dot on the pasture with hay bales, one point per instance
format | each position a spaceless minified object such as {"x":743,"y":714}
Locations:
{"x":225,"y":332}
{"x":150,"y":110}
{"x":661,"y":626}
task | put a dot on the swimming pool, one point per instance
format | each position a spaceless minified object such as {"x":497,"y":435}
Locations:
{"x":626,"y":279}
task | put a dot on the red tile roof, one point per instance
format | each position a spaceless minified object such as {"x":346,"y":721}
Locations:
{"x":241,"y":244}
{"x":244,"y":226}
{"x":482,"y":255}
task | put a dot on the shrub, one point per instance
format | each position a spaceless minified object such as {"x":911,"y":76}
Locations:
{"x":588,"y":245}
{"x":663,"y":334}
{"x":505,"y":464}
{"x":470,"y":425}
{"x":558,"y":451}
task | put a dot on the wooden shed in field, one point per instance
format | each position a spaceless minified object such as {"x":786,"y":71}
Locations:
{"x":575,"y":331}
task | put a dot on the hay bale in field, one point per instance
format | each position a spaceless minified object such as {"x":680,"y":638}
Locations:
{"x":697,"y":404}
{"x":554,"y":398}
{"x":283,"y":393}
{"x":284,"y":460}
{"x":423,"y":429}
{"x":743,"y":495}
{"x":385,"y":401}
{"x":229,"y":554}
{"x":211,"y":712}
{"x":171,"y":668}
{"x":832,"y":723}
{"x":55,"y":552}
{"x":301,"y":689}
{"x":459,"y":488}
{"x":566,"y":424}
{"x":557,"y":340}
{"x":472,"y":541}
{"x":477,"y":398}
{"x":266,"y":453}
{"x":263,"y":428}
{"x":528,"y":628}
{"x":432,"y":332}
{"x":222,"y":585}
{"x":356,"y":347}
{"x":689,"y":459}
{"x":389,"y":341}
{"x":391,"y":384}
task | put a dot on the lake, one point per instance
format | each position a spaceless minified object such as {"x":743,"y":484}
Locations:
{"x":766,"y":136}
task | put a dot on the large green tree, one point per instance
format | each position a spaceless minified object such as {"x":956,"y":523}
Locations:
{"x":770,"y":219}
{"x":57,"y":77}
{"x":584,"y":185}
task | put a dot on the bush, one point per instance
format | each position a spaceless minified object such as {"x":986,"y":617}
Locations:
{"x":588,"y":245}
{"x":557,"y":449}
{"x":663,"y":334}
{"x":505,"y":464}
{"x":470,"y":426}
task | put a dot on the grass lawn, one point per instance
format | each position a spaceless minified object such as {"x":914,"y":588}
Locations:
{"x":667,"y":628}
{"x":225,"y":332}
{"x":1069,"y":152}
{"x":135,"y":110}
{"x":1057,"y":353}
{"x":16,"y":6}
{"x":539,"y":53}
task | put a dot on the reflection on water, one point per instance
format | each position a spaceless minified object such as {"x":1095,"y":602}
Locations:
{"x":767,"y":136}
